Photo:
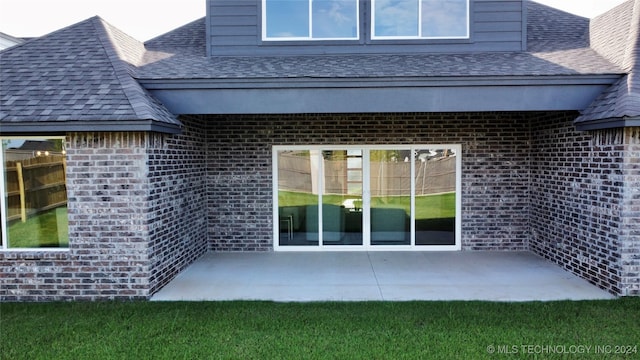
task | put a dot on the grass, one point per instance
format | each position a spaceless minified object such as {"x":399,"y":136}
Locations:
{"x":41,"y":230}
{"x":265,"y":330}
{"x":427,"y":206}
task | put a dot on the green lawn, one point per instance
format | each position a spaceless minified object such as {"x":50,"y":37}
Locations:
{"x":375,"y":330}
{"x":47,"y":229}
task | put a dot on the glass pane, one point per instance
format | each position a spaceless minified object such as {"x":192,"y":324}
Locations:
{"x":435,"y":201}
{"x":298,"y":197}
{"x":341,"y":200}
{"x":287,"y":18}
{"x":444,"y":18}
{"x":335,"y":19}
{"x":396,"y":18}
{"x":354,"y":162}
{"x":36,"y":193}
{"x":390,"y":197}
{"x":354,"y":176}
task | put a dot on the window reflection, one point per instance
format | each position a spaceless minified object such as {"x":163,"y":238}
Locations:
{"x":444,"y":18}
{"x":435,"y":196}
{"x":420,"y":18}
{"x":390,"y":197}
{"x":298,"y":197}
{"x":34,"y":185}
{"x":371,"y":196}
{"x":335,"y":19}
{"x":328,"y":19}
{"x":396,"y":18}
{"x":287,"y":18}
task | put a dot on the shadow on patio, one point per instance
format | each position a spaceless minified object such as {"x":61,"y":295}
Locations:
{"x":378,"y":276}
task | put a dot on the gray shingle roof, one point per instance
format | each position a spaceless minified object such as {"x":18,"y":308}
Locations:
{"x":79,"y":74}
{"x":558,"y":44}
{"x":183,"y":65}
{"x":192,"y":35}
{"x":550,"y":29}
{"x":616,"y":35}
{"x":89,"y":73}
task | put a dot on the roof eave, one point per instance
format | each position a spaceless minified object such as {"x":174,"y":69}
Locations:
{"x":366,"y":95}
{"x":61,"y":127}
{"x":608,"y":123}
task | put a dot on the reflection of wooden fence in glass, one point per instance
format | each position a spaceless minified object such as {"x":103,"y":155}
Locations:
{"x":294,"y":173}
{"x":433,"y":176}
{"x":436,"y":176}
{"x":35,"y":185}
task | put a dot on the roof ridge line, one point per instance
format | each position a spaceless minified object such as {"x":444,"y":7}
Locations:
{"x":119,"y":65}
{"x":29,"y":40}
{"x":632,"y":51}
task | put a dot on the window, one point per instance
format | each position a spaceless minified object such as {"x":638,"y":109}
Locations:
{"x":380,"y":197}
{"x":310,"y":19}
{"x":420,"y":19}
{"x":33,"y":193}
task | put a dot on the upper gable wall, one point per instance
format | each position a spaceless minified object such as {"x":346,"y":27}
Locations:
{"x":234,"y":28}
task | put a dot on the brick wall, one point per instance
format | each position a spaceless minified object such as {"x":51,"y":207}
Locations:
{"x":630,"y":224}
{"x":177,"y":217}
{"x":136,"y":218}
{"x":495,"y":169}
{"x":107,"y":256}
{"x":577,"y":186}
{"x":144,"y":206}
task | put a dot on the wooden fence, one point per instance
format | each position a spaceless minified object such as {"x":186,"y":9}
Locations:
{"x":35,"y":185}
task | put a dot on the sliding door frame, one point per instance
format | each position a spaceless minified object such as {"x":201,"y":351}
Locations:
{"x":366,"y":198}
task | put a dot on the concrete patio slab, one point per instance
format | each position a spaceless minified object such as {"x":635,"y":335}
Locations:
{"x":377,"y":276}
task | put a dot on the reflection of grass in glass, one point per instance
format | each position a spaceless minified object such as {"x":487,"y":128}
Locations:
{"x":40,"y":230}
{"x":294,"y":198}
{"x":436,"y":206}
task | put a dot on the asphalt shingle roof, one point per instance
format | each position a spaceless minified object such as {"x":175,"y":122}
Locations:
{"x":80,"y":73}
{"x":558,"y":44}
{"x":616,"y":35}
{"x":91,"y":71}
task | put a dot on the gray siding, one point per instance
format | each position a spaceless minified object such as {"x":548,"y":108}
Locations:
{"x":234,"y":28}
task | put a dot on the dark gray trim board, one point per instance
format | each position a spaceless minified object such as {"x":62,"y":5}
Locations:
{"x":608,"y":123}
{"x":309,"y":96}
{"x":61,"y":127}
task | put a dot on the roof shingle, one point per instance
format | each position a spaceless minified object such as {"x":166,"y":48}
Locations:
{"x":81,"y":73}
{"x":616,"y":35}
{"x":558,"y":44}
{"x":90,"y":72}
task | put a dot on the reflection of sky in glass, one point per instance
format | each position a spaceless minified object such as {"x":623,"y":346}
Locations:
{"x":335,"y":18}
{"x":396,"y":18}
{"x":330,"y":18}
{"x":287,"y":18}
{"x":13,"y":143}
{"x":441,"y":18}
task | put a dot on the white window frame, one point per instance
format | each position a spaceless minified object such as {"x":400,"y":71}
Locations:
{"x":419,"y":36}
{"x":3,"y":202}
{"x":310,"y":37}
{"x":366,"y":199}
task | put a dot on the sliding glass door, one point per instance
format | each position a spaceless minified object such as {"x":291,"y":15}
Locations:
{"x":390,"y":189}
{"x":435,"y":195}
{"x":368,"y":197}
{"x":342,"y":197}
